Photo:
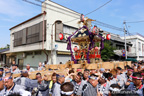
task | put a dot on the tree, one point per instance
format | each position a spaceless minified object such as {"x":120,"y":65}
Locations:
{"x":108,"y":51}
{"x":7,"y":46}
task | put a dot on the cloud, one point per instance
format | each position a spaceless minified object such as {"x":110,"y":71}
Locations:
{"x":11,"y":9}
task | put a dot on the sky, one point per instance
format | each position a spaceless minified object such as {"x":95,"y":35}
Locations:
{"x":13,"y":12}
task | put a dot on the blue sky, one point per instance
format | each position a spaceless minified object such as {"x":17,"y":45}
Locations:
{"x":13,"y":12}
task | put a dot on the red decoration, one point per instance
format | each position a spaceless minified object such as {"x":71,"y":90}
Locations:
{"x":61,"y":36}
{"x":75,"y":48}
{"x":94,"y":29}
{"x":96,"y":48}
{"x":78,"y":56}
{"x":82,"y":18}
{"x":108,"y":37}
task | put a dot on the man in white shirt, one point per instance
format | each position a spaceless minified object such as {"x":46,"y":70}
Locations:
{"x":28,"y":68}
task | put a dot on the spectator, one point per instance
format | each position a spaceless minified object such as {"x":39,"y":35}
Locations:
{"x":114,"y":90}
{"x":127,"y":76}
{"x":40,"y":66}
{"x":29,"y":69}
{"x":60,"y":81}
{"x":42,"y":86}
{"x":90,"y":89}
{"x":93,"y":71}
{"x":109,"y":77}
{"x":137,"y":84}
{"x":119,"y":70}
{"x":78,"y":84}
{"x":102,"y":84}
{"x":13,"y":63}
{"x":1,"y":87}
{"x":51,"y":82}
{"x":86,"y":74}
{"x":102,"y":70}
{"x":67,"y":89}
{"x":70,"y":76}
{"x":15,"y":69}
{"x":11,"y":87}
{"x":23,"y":81}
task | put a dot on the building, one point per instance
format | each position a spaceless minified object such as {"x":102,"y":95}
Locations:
{"x":37,"y":39}
{"x":3,"y":56}
{"x":138,"y":45}
{"x":119,"y":43}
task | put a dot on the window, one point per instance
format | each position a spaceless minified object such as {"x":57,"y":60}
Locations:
{"x":64,"y":29}
{"x":139,"y":46}
{"x":18,"y":38}
{"x":29,"y":35}
{"x":68,"y":29}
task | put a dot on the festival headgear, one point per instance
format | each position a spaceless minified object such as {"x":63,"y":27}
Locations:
{"x":102,"y":76}
{"x":7,"y":72}
{"x":6,"y":79}
{"x":59,"y":76}
{"x":130,"y":70}
{"x":139,"y":78}
{"x":142,"y":73}
{"x":67,"y":93}
{"x":1,"y":69}
{"x":114,"y":89}
{"x":93,"y":77}
{"x":102,"y":69}
{"x":24,"y":72}
{"x":79,"y":70}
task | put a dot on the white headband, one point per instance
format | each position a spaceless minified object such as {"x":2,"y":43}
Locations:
{"x":67,"y":93}
{"x":114,"y":89}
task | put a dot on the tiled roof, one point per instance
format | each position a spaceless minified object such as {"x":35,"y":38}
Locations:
{"x":3,"y":50}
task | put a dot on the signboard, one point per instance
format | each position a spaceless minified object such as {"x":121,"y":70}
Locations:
{"x":123,"y":52}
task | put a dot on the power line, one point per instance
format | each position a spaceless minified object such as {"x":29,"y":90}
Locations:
{"x":98,"y":7}
{"x":99,"y":22}
{"x":108,"y":26}
{"x":57,"y":7}
{"x":136,"y":21}
{"x":128,"y":31}
{"x":96,"y":22}
{"x":47,"y":8}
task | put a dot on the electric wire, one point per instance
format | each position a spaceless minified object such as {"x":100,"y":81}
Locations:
{"x":98,"y":7}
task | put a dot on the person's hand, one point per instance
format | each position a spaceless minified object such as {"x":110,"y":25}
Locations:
{"x":98,"y":94}
{"x":127,"y":83}
{"x":73,"y":74}
{"x":129,"y":80}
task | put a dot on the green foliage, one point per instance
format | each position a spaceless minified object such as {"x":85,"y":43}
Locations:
{"x":7,"y":46}
{"x":108,"y":51}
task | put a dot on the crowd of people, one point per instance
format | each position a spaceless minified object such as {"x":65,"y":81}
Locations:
{"x":95,"y":82}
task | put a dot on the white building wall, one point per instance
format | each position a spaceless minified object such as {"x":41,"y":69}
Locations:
{"x":53,"y":16}
{"x":33,"y":60}
{"x":29,"y":47}
{"x":135,"y":48}
{"x":65,"y":15}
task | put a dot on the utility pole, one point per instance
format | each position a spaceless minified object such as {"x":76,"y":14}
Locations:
{"x":52,"y":44}
{"x":125,"y":32}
